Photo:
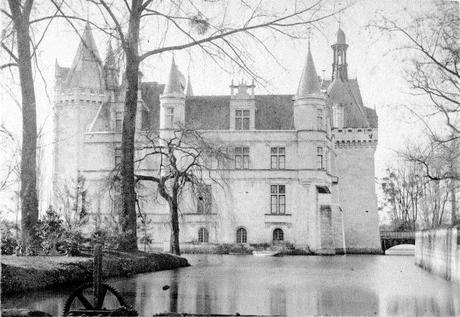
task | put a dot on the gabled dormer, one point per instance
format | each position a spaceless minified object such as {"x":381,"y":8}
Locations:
{"x":242,"y":106}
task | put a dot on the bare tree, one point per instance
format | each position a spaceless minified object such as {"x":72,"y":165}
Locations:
{"x":20,"y":15}
{"x":184,"y":161}
{"x":218,"y":36}
{"x":432,"y":45}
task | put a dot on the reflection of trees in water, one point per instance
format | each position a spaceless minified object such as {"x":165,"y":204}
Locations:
{"x":277,"y":301}
{"x":203,"y":298}
{"x":421,"y":306}
{"x":173,"y":291}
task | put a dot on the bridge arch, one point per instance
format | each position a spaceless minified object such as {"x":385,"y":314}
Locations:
{"x":390,"y":239}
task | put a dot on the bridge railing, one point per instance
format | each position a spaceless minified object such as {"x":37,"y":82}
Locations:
{"x":384,"y":234}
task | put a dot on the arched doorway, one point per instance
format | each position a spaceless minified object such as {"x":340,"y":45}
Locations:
{"x":278,"y":235}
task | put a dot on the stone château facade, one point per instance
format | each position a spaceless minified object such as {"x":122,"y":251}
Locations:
{"x":302,"y":168}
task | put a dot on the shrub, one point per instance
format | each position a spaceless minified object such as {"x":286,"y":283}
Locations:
{"x":9,"y":242}
{"x":50,"y":230}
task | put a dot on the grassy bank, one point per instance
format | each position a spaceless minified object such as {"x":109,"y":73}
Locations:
{"x":20,"y":273}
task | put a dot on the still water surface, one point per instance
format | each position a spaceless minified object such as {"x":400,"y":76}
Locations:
{"x":297,"y":286}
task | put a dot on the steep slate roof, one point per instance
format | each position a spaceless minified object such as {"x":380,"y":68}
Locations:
{"x":273,"y":112}
{"x":176,"y":81}
{"x":309,"y":83}
{"x":86,"y":70}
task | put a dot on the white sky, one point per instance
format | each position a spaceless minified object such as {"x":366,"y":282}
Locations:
{"x":370,"y":59}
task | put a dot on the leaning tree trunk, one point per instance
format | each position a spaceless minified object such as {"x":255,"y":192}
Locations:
{"x":128,"y":219}
{"x":174,"y":241}
{"x":28,"y":194}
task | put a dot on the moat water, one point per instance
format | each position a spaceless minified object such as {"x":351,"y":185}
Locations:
{"x":296,"y":286}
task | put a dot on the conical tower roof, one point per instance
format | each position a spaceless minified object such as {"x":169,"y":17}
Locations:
{"x":86,"y":70}
{"x":189,"y":90}
{"x":174,"y":84}
{"x":341,"y":39}
{"x":110,"y":56}
{"x":309,"y":82}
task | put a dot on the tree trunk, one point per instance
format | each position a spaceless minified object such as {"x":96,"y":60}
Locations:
{"x":174,"y":241}
{"x":128,"y":219}
{"x":28,"y":194}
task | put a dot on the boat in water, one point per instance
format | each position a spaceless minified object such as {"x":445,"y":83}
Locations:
{"x":266,"y":253}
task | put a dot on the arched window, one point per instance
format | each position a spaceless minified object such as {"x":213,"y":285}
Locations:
{"x":278,"y":235}
{"x":241,"y":236}
{"x":203,"y":235}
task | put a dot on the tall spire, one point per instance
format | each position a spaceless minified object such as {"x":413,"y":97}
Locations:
{"x":174,"y":83}
{"x":309,"y":83}
{"x":339,"y":65}
{"x":110,"y":69}
{"x":86,"y":70}
{"x":188,"y":89}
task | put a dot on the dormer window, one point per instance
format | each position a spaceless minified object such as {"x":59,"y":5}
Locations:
{"x":242,"y":117}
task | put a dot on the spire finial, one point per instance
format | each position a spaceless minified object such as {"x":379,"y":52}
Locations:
{"x":309,"y":36}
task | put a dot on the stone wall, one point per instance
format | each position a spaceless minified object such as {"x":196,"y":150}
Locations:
{"x":438,"y":251}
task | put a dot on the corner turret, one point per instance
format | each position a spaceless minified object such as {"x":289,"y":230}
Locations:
{"x":172,"y":101}
{"x":309,"y":102}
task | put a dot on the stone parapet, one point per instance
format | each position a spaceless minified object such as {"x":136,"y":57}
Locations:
{"x":355,"y":137}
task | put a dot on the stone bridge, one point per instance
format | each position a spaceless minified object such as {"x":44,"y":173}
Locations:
{"x":389,"y":239}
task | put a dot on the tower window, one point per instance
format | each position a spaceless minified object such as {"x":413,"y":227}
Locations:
{"x":278,"y":157}
{"x":242,"y":119}
{"x":203,"y":235}
{"x":170,"y":117}
{"x":241,"y":236}
{"x":242,"y":158}
{"x":319,"y":158}
{"x":118,"y":121}
{"x":319,"y":118}
{"x":278,"y":199}
{"x":278,"y":235}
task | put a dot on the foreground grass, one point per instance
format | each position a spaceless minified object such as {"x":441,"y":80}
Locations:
{"x":21,"y":273}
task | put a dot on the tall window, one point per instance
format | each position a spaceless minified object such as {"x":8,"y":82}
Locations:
{"x":319,"y":118}
{"x":278,"y":199}
{"x":241,"y":119}
{"x":118,"y":121}
{"x":326,"y":160}
{"x":278,"y":157}
{"x":117,"y":156}
{"x":203,"y":235}
{"x":278,"y":235}
{"x":241,"y":157}
{"x":204,"y":199}
{"x":241,"y":236}
{"x":319,"y":158}
{"x":170,"y":117}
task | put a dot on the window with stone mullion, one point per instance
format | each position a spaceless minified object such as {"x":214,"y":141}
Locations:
{"x":242,"y":119}
{"x":278,"y":157}
{"x":278,"y":199}
{"x":242,"y":158}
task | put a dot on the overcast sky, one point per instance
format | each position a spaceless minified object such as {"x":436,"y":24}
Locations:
{"x":370,"y":58}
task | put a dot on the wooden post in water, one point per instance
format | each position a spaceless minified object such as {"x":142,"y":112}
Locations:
{"x":97,"y":275}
